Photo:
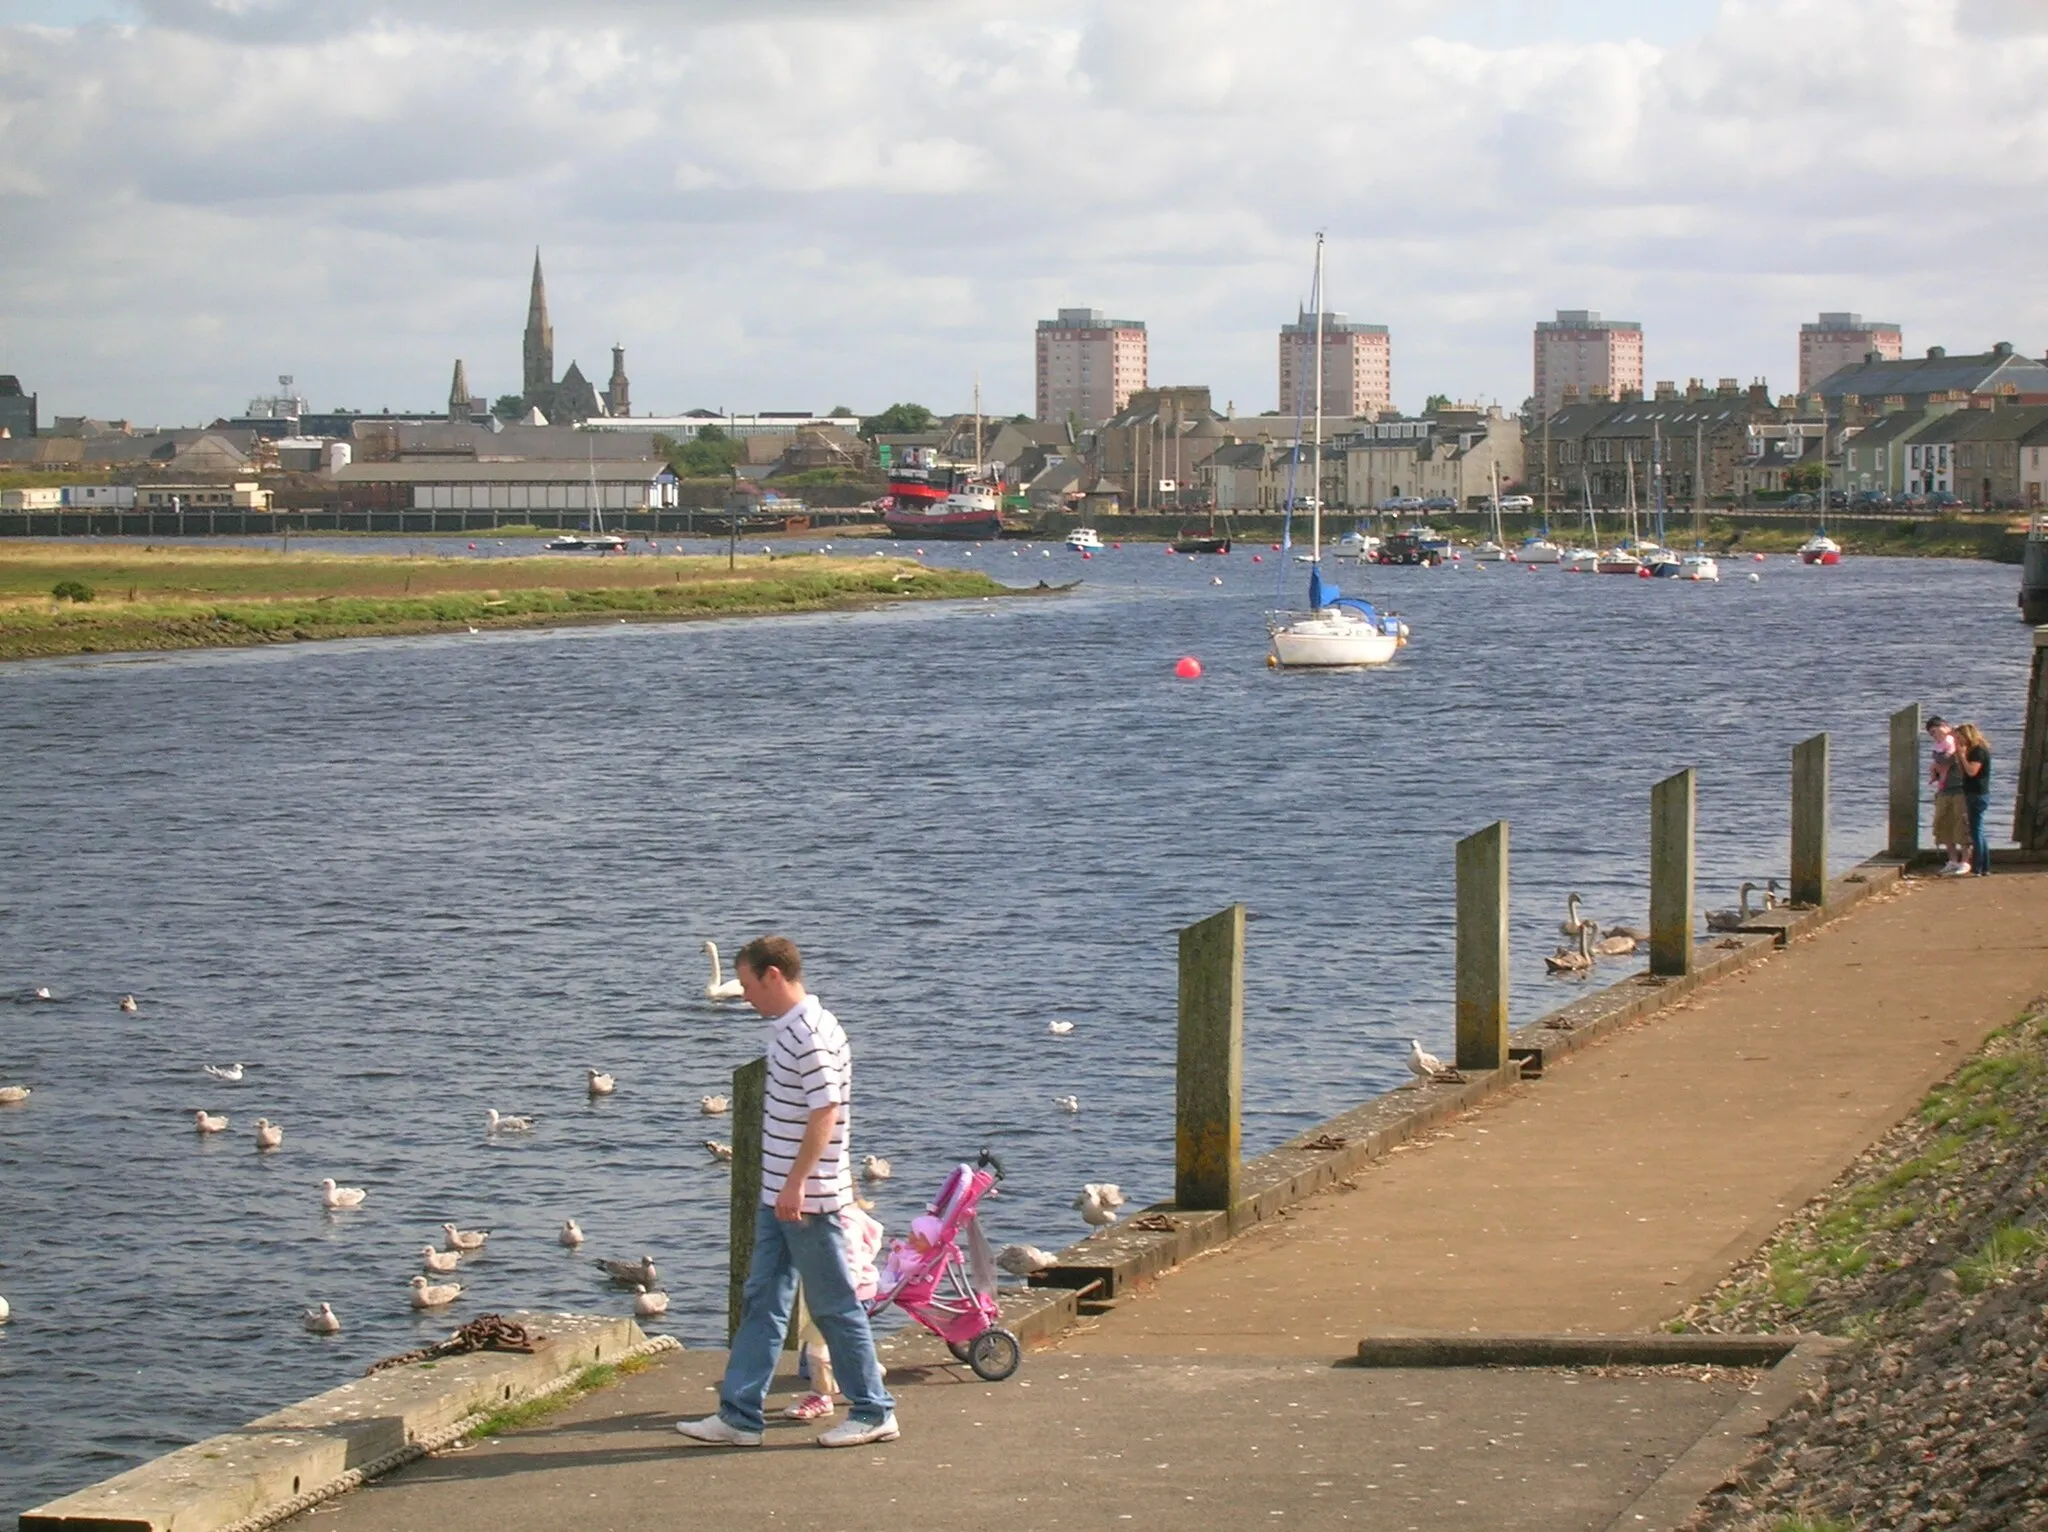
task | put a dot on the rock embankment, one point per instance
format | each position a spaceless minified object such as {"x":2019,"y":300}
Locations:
{"x":1932,"y":1255}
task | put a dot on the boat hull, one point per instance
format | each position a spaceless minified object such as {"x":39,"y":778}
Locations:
{"x":1199,"y":545}
{"x":1537,"y":553}
{"x":1827,"y":557}
{"x":1329,"y":641}
{"x":945,"y":526}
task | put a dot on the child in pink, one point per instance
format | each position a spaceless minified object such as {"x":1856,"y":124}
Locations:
{"x":863,"y":1245}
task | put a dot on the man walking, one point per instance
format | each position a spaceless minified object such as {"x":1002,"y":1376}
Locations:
{"x":806,"y":1182}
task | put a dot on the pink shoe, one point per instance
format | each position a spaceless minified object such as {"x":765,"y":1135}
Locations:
{"x":810,"y":1407}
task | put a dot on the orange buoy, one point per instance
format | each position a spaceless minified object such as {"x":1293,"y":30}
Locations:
{"x":1189,"y":668}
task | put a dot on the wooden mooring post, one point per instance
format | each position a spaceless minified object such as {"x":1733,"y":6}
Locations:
{"x":1208,"y":1095}
{"x":749,"y":1091}
{"x":1810,"y":821}
{"x":1902,"y":822}
{"x":1673,"y":815}
{"x":1483,"y":948}
{"x":2030,"y":803}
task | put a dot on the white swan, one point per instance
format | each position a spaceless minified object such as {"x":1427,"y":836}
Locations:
{"x":1576,"y":960}
{"x":720,"y":987}
{"x":268,"y":1134}
{"x":571,"y":1235}
{"x":228,"y":1072}
{"x":497,"y":1122}
{"x":128,"y":1003}
{"x":205,"y":1122}
{"x":1735,"y":919}
{"x":322,"y":1321}
{"x":332,"y":1196}
{"x":426,"y":1295}
{"x":1059,"y":1028}
{"x":874,"y":1168}
{"x":1572,"y":919}
{"x":714,"y":1106}
{"x":468,"y":1241}
{"x":440,"y":1262}
{"x":1423,"y":1065}
{"x":1023,"y":1260}
{"x":10,"y":1095}
{"x":602,"y":1084}
{"x":649,"y":1302}
{"x":718,"y":1151}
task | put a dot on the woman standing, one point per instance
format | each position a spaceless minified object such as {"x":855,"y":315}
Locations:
{"x":1973,"y":770}
{"x":1951,"y":813}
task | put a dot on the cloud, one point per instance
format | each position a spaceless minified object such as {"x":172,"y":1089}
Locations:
{"x":797,"y":202}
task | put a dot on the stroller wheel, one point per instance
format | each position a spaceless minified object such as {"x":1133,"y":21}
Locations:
{"x":994,"y":1355}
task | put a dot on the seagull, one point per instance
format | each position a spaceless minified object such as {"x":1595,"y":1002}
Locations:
{"x":1421,"y":1064}
{"x":440,"y":1262}
{"x":714,"y":1106}
{"x":502,"y":1124}
{"x":229,"y":1072}
{"x":268,"y":1134}
{"x":874,"y":1168}
{"x":1023,"y":1260}
{"x":322,"y":1321}
{"x":475,"y":629}
{"x":638,"y":1273}
{"x":332,"y":1196}
{"x":1067,"y":1103}
{"x":570,"y":1235}
{"x":11,"y":1095}
{"x":208,"y":1124}
{"x":602,"y":1084}
{"x":718,"y":1151}
{"x":43,"y":992}
{"x":1095,"y":1208}
{"x":649,"y":1302}
{"x":128,"y":1003}
{"x":1059,"y":1028}
{"x":427,"y":1295}
{"x":468,"y":1241}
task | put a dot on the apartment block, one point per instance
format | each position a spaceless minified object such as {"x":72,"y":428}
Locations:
{"x":1089,"y":366}
{"x":1836,"y":341}
{"x":1358,"y":370}
{"x":1580,"y":350}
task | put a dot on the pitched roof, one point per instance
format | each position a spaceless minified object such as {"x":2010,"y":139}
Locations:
{"x":530,"y":471}
{"x":1983,"y":373}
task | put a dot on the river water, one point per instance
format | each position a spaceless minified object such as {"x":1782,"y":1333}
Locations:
{"x":405,"y":880}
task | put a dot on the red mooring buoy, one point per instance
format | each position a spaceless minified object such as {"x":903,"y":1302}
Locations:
{"x":1189,"y":668}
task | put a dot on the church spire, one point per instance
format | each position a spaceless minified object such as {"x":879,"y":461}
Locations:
{"x":458,"y":395}
{"x":540,"y":339}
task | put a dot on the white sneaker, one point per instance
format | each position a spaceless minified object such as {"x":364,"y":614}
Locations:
{"x":713,"y":1431}
{"x":1956,"y":870}
{"x":858,"y":1433}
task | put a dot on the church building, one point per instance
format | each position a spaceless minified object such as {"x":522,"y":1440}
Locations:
{"x":572,"y":398}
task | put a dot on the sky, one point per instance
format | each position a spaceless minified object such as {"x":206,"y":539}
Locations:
{"x":797,"y":204}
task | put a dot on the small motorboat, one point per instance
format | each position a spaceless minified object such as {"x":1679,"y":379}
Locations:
{"x":1356,"y":545}
{"x":1490,"y":552}
{"x":1539,"y":550}
{"x":1699,"y":566}
{"x":586,"y":542}
{"x":1618,"y":561}
{"x":1578,"y":561}
{"x":1085,"y":540}
{"x":1660,"y":561}
{"x":1820,"y":549}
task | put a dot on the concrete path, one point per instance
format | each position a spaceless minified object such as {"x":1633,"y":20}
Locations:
{"x":1604,"y":1197}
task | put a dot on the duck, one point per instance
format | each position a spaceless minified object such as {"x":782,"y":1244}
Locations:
{"x":1573,"y":960}
{"x":602,"y":1084}
{"x":440,"y":1262}
{"x":128,"y":1004}
{"x":1573,"y":920}
{"x":638,"y":1273}
{"x":714,"y":1106}
{"x":718,"y":1151}
{"x":1616,"y":943}
{"x":434,"y":1295}
{"x":874,"y":1168}
{"x":468,"y":1241}
{"x":649,"y":1302}
{"x":571,"y":1236}
{"x":268,"y":1134}
{"x":205,"y":1122}
{"x":497,"y":1122}
{"x":322,"y":1320}
{"x":1735,"y":919}
{"x":232,"y":1073}
{"x":720,"y":987}
{"x":1025,"y":1260}
{"x":1421,"y":1063}
{"x":332,"y":1196}
{"x":1067,"y":1103}
{"x":1059,"y":1028}
{"x":13,"y":1095}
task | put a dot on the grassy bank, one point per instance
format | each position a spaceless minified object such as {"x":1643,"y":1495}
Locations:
{"x":190,"y":598}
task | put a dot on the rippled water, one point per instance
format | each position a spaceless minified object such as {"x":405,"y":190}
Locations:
{"x":410,"y":879}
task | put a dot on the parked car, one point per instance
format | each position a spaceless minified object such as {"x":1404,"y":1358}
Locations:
{"x":1942,"y":499}
{"x":1800,"y":501}
{"x":1838,"y":497}
{"x":1437,"y":503}
{"x":1518,"y":502}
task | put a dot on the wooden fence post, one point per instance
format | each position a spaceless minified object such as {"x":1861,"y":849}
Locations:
{"x":1209,"y":1082}
{"x":1483,"y":948}
{"x":1673,"y":811}
{"x":749,"y":1090}
{"x":1902,"y":838}
{"x":2030,"y":802}
{"x":1810,"y":821}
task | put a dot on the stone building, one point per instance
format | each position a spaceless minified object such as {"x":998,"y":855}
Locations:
{"x":573,"y":398}
{"x":1699,"y":442}
{"x":17,"y":409}
{"x":1451,"y":453}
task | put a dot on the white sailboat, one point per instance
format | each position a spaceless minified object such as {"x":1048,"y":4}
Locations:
{"x":1336,"y":630}
{"x":1495,"y":549}
{"x":596,"y":540}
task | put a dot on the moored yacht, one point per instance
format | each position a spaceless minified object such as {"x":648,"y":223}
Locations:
{"x":1084,"y":540}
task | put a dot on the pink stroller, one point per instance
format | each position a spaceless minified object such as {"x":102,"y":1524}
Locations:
{"x":951,"y":1294}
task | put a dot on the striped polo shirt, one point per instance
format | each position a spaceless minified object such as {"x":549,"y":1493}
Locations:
{"x":809,"y":1066}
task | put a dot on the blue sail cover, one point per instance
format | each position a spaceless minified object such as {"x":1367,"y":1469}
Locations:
{"x":1320,"y":592}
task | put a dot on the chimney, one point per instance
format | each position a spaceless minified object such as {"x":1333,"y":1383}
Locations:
{"x":2003,"y":348}
{"x":1760,"y":394}
{"x":1571,"y":393}
{"x":1728,"y":388}
{"x":1936,"y":353}
{"x":1631,"y":396}
{"x":1667,"y":390}
{"x":1695,"y":390}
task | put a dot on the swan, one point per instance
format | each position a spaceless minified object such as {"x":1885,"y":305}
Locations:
{"x":1059,"y":1028}
{"x":231,"y":1073}
{"x":332,"y":1196}
{"x":1770,"y":893}
{"x":1636,"y":933}
{"x":649,"y":1302}
{"x":322,"y":1321}
{"x":268,"y":1134}
{"x":720,"y":987}
{"x":11,"y":1095}
{"x":468,"y":1241}
{"x":718,"y":1151}
{"x":1735,"y":919}
{"x":571,"y":1235}
{"x":602,"y":1084}
{"x":426,"y":1295}
{"x":638,"y":1273}
{"x":1422,"y":1065}
{"x":1616,"y":943}
{"x":714,"y":1106}
{"x":206,"y":1123}
{"x":874,"y":1168}
{"x":1067,"y":1103}
{"x":1572,"y":919}
{"x":1575,"y":960}
{"x":1023,"y":1260}
{"x":128,"y":1003}
{"x":498,"y":1123}
{"x":439,"y":1262}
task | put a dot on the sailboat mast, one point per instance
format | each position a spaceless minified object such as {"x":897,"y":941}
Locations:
{"x":1316,"y":439}
{"x":977,"y":425}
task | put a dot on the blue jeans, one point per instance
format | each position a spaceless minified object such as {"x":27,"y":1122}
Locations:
{"x":814,"y":1249}
{"x":1980,"y":849}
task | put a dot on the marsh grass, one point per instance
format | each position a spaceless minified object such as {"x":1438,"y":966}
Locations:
{"x":525,"y":1413}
